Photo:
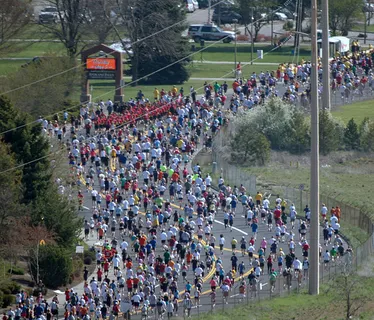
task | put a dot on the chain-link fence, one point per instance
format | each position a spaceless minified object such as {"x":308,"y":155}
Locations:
{"x":232,"y":174}
{"x":243,"y":291}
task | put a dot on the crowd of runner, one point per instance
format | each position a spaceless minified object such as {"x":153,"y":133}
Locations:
{"x":153,"y":213}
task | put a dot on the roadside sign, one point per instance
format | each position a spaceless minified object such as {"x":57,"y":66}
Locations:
{"x":301,"y":187}
{"x":79,"y":249}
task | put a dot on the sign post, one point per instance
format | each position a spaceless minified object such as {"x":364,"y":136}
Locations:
{"x":107,"y":67}
{"x":301,"y":188}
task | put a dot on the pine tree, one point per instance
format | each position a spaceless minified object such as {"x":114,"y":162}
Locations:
{"x":330,"y":133}
{"x":146,"y":17}
{"x":351,"y":135}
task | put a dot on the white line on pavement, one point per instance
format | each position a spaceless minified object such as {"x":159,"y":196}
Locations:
{"x":243,"y":232}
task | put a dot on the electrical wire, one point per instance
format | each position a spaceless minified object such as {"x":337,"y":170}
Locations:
{"x":83,"y":64}
{"x":125,"y":85}
{"x":123,"y":124}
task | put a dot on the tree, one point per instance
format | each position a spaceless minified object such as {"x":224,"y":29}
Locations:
{"x":59,"y":215}
{"x":367,"y":135}
{"x":72,"y":15}
{"x":96,"y":18}
{"x":351,"y":135}
{"x":299,"y":133}
{"x":343,"y":14}
{"x":166,"y":50}
{"x":249,"y":146}
{"x":259,"y":8}
{"x":330,"y":133}
{"x":55,"y":265}
{"x":61,"y":88}
{"x":351,"y":291}
{"x":15,"y":15}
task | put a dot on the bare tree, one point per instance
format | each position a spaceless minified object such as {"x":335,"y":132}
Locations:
{"x":72,"y":15}
{"x":15,"y":15}
{"x":350,"y":288}
{"x":97,"y":18}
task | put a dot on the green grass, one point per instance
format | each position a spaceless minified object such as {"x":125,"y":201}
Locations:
{"x":328,"y":305}
{"x":358,"y":111}
{"x":361,"y":28}
{"x":208,"y":70}
{"x":9,"y":66}
{"x":101,"y":88}
{"x":39,"y":49}
{"x":226,"y":52}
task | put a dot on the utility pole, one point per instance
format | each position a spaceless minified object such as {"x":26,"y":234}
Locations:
{"x":236,"y":71}
{"x":326,"y":95}
{"x":209,"y":5}
{"x":314,"y":166}
{"x":365,"y":29}
{"x":253,"y":38}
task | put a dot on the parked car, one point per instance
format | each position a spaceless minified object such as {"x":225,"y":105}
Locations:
{"x":49,"y":15}
{"x":276,"y":16}
{"x":209,"y":32}
{"x":195,"y":4}
{"x":289,"y":14}
{"x":189,"y":6}
{"x":226,"y":16}
{"x":203,"y":4}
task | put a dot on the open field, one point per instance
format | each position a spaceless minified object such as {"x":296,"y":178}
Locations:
{"x":328,"y":305}
{"x":358,"y":111}
{"x":225,"y":52}
{"x":105,"y":89}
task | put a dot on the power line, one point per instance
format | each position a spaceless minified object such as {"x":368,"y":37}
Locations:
{"x":83,"y":64}
{"x":161,"y":69}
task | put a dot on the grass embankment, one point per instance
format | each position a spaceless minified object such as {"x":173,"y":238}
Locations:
{"x":329,"y":305}
{"x":358,"y":111}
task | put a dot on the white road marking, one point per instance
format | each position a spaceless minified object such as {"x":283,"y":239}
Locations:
{"x":262,"y":285}
{"x":85,"y":208}
{"x":234,"y":295}
{"x":243,"y":232}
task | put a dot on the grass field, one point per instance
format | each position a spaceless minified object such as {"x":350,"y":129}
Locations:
{"x":357,"y":111}
{"x":105,"y":89}
{"x":226,"y":52}
{"x":328,"y":305}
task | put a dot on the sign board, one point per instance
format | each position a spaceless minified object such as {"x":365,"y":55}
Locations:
{"x":101,"y":64}
{"x":79,"y":249}
{"x":301,"y":187}
{"x":101,"y":75}
{"x":260,"y":54}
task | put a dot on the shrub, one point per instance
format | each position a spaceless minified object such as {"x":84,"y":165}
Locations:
{"x":87,"y":260}
{"x":55,"y":265}
{"x":288,"y":25}
{"x":8,"y":299}
{"x":10,"y":287}
{"x":16,"y":271}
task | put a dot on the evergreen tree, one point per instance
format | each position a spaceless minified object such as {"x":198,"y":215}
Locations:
{"x":351,"y":135}
{"x":367,"y":135}
{"x":331,"y":133}
{"x":39,"y":192}
{"x":59,"y":216}
{"x":146,"y":17}
{"x":299,"y":140}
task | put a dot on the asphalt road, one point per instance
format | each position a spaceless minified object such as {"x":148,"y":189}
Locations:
{"x":240,"y":229}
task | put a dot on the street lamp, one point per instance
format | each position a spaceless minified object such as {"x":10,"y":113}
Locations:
{"x":253,"y":39}
{"x":235,"y":22}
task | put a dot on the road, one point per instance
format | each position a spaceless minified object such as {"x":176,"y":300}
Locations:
{"x":240,"y":229}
